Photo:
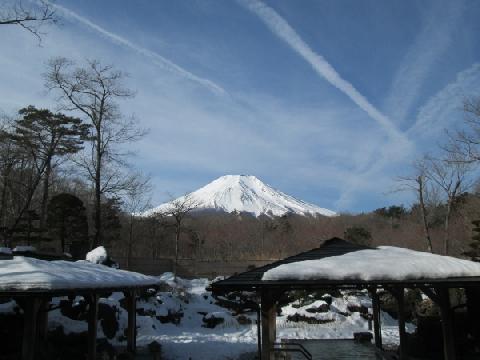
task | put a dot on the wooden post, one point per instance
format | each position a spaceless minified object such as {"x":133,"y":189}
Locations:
{"x":377,"y":325}
{"x":269,"y":316}
{"x":43,"y":319}
{"x":399,"y":294}
{"x":447,"y":324}
{"x":30,"y":315}
{"x":132,"y":321}
{"x":473,"y":299}
{"x":259,"y":333}
{"x":92,"y":326}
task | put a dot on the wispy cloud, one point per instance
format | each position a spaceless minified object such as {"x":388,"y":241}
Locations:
{"x":432,"y":41}
{"x":153,"y":56}
{"x":440,"y":107}
{"x":280,"y":27}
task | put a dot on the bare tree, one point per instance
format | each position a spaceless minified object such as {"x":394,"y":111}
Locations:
{"x":136,"y":200}
{"x":465,"y":143}
{"x":92,"y":91}
{"x":30,"y":18}
{"x":450,"y":175}
{"x":419,"y":184}
{"x":178,"y":209}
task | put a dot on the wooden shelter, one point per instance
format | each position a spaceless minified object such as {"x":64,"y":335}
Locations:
{"x":269,"y":291}
{"x":34,"y":295}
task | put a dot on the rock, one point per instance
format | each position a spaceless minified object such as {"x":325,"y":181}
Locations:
{"x":212,"y":320}
{"x":357,"y":308}
{"x":77,"y":311}
{"x":244,"y":320}
{"x":147,"y":294}
{"x":323,"y":308}
{"x":308,"y":320}
{"x":173,"y":317}
{"x":363,"y":336}
{"x":108,"y":320}
{"x":427,"y":308}
{"x":328,"y":299}
{"x":146,"y":312}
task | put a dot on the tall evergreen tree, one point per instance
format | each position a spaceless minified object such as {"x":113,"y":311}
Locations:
{"x":46,"y":137}
{"x":67,"y":222}
{"x":474,"y":251}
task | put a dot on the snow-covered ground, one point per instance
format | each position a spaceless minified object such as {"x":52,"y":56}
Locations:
{"x":190,"y":339}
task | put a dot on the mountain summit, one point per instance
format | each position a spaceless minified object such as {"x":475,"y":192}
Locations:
{"x":246,"y":193}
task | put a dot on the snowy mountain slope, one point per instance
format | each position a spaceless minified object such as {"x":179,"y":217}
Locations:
{"x":245,"y":193}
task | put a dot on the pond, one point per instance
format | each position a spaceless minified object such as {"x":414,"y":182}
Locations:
{"x":337,"y":350}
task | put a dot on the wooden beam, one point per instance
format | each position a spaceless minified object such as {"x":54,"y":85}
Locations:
{"x":92,"y":326}
{"x":30,"y":317}
{"x":259,"y":332}
{"x":447,"y":325}
{"x":269,"y":316}
{"x":131,"y":298}
{"x":377,"y":325}
{"x":399,"y":294}
{"x":43,"y":319}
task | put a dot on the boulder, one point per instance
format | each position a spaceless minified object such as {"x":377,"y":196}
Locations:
{"x":211,"y":320}
{"x":363,"y":336}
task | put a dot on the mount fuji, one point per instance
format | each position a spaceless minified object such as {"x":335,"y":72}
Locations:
{"x":244,"y":193}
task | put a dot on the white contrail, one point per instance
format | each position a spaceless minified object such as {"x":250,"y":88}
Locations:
{"x":441,"y":107}
{"x":284,"y":31}
{"x":428,"y":47}
{"x":156,"y":58}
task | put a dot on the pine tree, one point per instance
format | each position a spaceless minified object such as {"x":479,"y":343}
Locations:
{"x":29,"y":232}
{"x":474,"y":252}
{"x":67,"y":222}
{"x":45,"y":137}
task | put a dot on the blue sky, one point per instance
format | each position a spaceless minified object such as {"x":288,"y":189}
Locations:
{"x":328,"y":101}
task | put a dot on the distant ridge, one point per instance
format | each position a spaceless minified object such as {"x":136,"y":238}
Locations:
{"x":246,"y":193}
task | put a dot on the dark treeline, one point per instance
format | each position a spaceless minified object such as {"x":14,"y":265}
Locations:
{"x":222,"y":236}
{"x":64,"y":174}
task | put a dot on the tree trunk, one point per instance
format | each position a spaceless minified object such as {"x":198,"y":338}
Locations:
{"x":130,"y":240}
{"x":177,"y":239}
{"x":446,"y":229}
{"x":423,"y":210}
{"x":46,"y":185}
{"x":3,"y":203}
{"x":98,"y":191}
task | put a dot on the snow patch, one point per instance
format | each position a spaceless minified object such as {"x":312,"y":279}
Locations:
{"x":97,"y":255}
{"x":25,"y":248}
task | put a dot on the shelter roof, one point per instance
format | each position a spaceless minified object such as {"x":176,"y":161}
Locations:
{"x":22,"y":275}
{"x":341,"y":263}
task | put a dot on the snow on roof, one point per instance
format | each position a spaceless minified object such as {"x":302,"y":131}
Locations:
{"x":25,"y":273}
{"x":382,"y":263}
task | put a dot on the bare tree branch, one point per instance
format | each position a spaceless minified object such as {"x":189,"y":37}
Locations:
{"x":31,"y":18}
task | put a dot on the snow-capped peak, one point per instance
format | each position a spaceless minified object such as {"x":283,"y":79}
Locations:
{"x":245,"y":193}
